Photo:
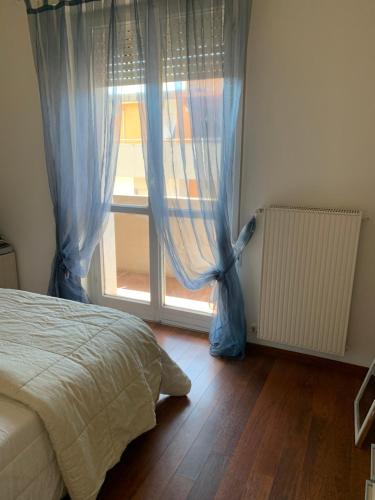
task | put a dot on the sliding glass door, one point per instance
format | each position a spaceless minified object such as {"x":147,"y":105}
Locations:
{"x":131,"y":270}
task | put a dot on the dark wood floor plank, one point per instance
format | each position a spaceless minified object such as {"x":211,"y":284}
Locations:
{"x":209,"y":405}
{"x":234,"y":381}
{"x":206,"y":484}
{"x":178,"y":488}
{"x":290,"y":413}
{"x":327,"y":466}
{"x":288,"y":473}
{"x":260,"y":442}
{"x":271,"y":426}
{"x":239,"y":414}
{"x":220,"y":426}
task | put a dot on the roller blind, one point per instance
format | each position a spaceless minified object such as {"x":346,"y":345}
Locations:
{"x":190,"y":48}
{"x":192,"y":41}
{"x":127,"y":66}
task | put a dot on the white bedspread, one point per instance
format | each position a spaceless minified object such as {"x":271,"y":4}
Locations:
{"x":28,"y":467}
{"x":92,"y":375}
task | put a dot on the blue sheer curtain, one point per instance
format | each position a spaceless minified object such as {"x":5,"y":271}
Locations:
{"x":75,"y":45}
{"x":194,"y":60}
{"x":187,"y":62}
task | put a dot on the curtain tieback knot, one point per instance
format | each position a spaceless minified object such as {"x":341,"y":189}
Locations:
{"x":221,"y":273}
{"x":243,"y":239}
{"x":61,"y":265}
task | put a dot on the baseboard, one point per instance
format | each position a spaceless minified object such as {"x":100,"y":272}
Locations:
{"x":310,"y":359}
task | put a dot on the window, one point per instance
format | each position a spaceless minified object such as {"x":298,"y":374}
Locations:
{"x":136,"y":270}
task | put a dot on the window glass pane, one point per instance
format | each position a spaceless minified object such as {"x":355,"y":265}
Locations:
{"x":130,"y":181}
{"x":192,"y":128}
{"x":179,"y":297}
{"x":179,"y":99}
{"x":127,"y":257}
{"x":191,"y":241}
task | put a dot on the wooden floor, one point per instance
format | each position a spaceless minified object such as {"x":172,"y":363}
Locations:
{"x":267,"y":427}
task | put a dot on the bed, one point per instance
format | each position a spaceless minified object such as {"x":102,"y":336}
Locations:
{"x":77,"y":384}
{"x":28,"y":467}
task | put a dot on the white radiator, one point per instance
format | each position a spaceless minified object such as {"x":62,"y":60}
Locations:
{"x":308,"y":265}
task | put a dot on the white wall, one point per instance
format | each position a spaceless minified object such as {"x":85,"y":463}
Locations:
{"x":25,"y":208}
{"x":310,"y":130}
{"x":309,"y":136}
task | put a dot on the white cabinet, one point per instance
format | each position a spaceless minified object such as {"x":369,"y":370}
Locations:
{"x":8,"y":271}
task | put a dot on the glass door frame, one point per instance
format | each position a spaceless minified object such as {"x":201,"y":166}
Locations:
{"x":155,"y":310}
